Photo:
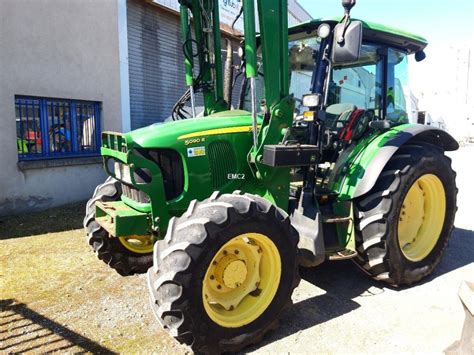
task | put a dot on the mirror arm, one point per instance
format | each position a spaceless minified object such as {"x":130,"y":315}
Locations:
{"x":340,"y":40}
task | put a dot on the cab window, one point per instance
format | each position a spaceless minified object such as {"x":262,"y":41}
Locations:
{"x":301,"y":65}
{"x":397,"y":82}
{"x":359,"y":83}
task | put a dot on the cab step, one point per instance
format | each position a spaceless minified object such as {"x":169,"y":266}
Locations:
{"x":343,"y":255}
{"x":337,"y":219}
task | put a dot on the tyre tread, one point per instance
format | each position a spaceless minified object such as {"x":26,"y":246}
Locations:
{"x":374,"y":210}
{"x":208,"y":215}
{"x":99,"y":240}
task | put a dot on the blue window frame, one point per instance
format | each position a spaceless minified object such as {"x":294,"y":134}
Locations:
{"x":54,"y":128}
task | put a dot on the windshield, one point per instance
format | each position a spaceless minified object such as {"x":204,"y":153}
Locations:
{"x":359,"y":84}
{"x":301,"y":62}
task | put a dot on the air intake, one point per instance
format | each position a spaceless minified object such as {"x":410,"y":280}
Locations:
{"x":222,"y":162}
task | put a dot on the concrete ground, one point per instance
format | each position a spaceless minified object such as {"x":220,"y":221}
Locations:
{"x":55,"y":296}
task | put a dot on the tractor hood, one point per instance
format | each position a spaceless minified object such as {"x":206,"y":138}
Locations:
{"x":167,"y":134}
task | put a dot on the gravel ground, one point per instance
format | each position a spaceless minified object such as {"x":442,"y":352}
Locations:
{"x":55,"y":296}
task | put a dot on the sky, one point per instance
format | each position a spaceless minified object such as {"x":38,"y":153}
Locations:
{"x":439,"y":21}
{"x":442,"y":81}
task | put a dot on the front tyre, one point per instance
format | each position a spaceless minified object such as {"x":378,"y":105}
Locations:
{"x":224,"y":272}
{"x":126,"y":255}
{"x":405,"y":221}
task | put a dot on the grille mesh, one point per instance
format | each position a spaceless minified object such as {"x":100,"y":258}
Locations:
{"x":222,"y":162}
{"x":134,"y":194}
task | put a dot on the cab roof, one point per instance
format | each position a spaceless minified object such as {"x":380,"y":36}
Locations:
{"x":373,"y":32}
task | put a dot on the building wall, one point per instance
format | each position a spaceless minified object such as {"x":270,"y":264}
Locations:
{"x":58,"y":49}
{"x":156,"y":64}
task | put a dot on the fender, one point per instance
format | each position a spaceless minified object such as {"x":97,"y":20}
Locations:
{"x":358,"y":169}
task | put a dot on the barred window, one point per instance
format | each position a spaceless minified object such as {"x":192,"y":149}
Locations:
{"x":52,"y":128}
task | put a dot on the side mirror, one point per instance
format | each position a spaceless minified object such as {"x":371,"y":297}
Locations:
{"x":348,"y":49}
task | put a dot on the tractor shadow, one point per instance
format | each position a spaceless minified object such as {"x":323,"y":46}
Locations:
{"x":460,"y":252}
{"x":25,"y":330}
{"x":342,"y":282}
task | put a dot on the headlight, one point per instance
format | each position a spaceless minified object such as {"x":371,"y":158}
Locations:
{"x":311,"y":100}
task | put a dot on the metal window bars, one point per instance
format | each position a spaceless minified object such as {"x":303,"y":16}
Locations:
{"x":54,"y":128}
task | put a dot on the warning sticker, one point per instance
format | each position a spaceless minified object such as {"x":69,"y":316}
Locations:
{"x":196,"y":152}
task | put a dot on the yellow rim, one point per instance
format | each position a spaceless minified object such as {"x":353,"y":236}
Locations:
{"x":421,"y":217}
{"x":241,"y":280}
{"x":140,"y":244}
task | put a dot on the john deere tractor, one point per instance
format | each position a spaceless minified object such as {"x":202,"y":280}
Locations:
{"x":318,"y":161}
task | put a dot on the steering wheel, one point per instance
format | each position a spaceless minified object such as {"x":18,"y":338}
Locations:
{"x":361,"y":125}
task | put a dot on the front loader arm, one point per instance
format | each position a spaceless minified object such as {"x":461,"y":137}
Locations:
{"x":279,"y":106}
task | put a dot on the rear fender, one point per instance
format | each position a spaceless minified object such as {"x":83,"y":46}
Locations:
{"x":358,"y":169}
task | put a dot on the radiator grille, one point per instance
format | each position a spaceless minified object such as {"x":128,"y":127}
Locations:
{"x":134,"y":194}
{"x":171,"y":167}
{"x":222,"y":162}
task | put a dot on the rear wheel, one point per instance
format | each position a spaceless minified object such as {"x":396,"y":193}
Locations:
{"x":224,"y":272}
{"x":127,"y":255}
{"x":405,"y":221}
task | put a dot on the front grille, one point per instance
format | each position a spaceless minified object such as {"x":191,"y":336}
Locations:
{"x":171,"y":167}
{"x":222,"y":162}
{"x":134,"y":194}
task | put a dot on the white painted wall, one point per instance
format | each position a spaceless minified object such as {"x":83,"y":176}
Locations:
{"x":59,"y":49}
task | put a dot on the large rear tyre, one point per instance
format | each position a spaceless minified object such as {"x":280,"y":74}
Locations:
{"x":404,"y":223}
{"x":224,"y":272}
{"x":127,"y":256}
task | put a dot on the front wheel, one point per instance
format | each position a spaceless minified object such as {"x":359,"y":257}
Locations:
{"x":126,"y":255}
{"x":405,"y":221}
{"x":224,"y":272}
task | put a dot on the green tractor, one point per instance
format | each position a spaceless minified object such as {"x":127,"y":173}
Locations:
{"x":318,"y":162}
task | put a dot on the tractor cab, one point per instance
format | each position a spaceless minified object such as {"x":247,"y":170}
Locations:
{"x":354,"y":93}
{"x":374,"y":81}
